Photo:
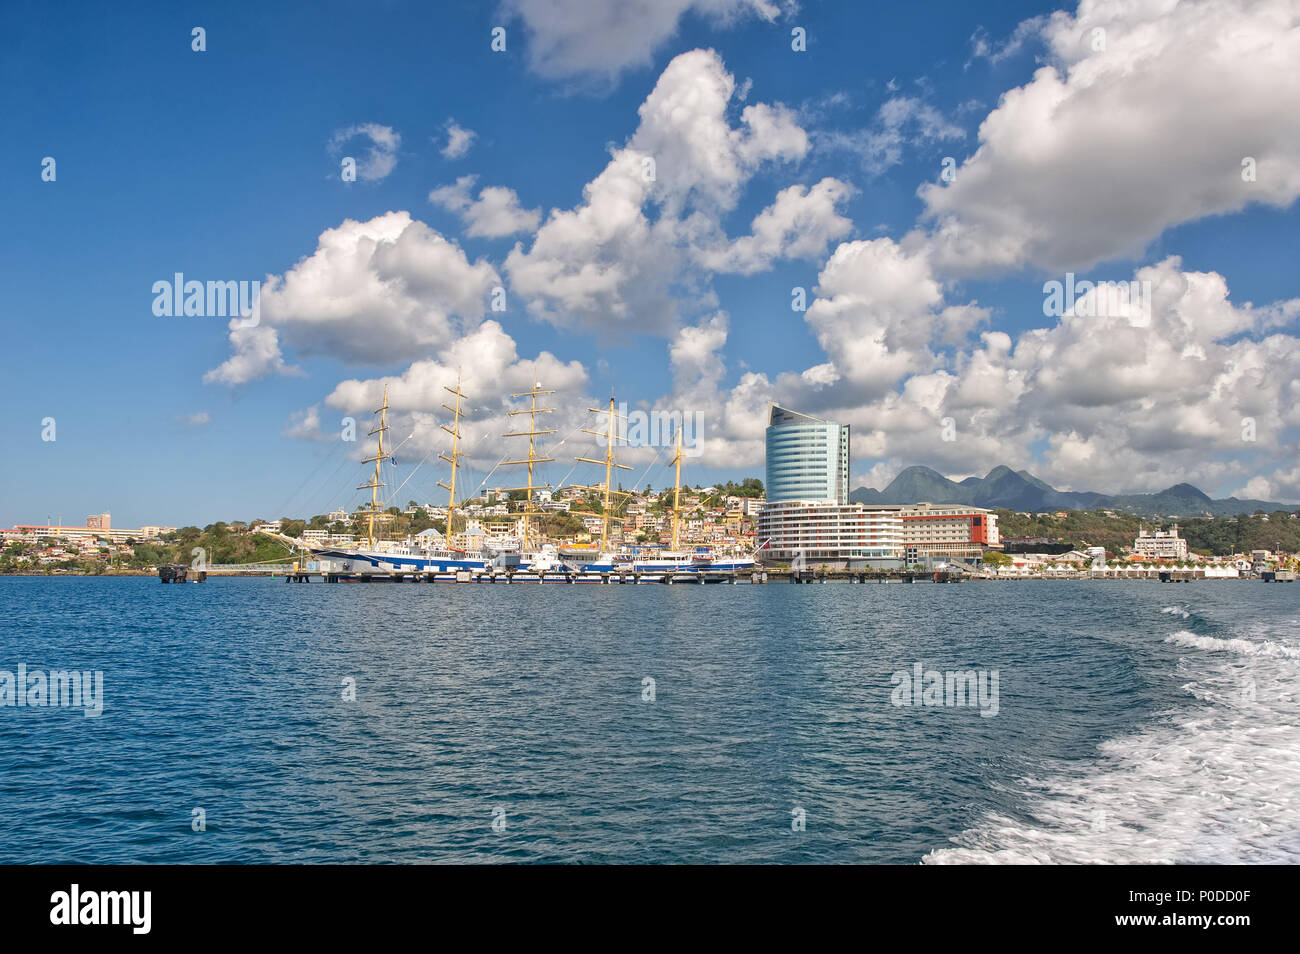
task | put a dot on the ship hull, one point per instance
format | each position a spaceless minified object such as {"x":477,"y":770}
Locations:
{"x":360,"y":561}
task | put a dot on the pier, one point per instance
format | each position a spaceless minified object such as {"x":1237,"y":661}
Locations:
{"x":757,"y":576}
{"x":525,"y":577}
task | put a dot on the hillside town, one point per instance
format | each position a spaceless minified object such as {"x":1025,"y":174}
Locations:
{"x":923,"y":535}
{"x":800,"y":516}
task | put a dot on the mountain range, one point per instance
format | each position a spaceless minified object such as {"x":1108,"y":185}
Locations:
{"x":1020,"y":490}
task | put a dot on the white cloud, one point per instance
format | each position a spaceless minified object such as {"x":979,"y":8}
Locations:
{"x":490,"y":369}
{"x":1025,"y":32}
{"x":305,"y":425}
{"x":695,"y":354}
{"x":372,"y":291}
{"x":381,"y":156}
{"x":459,"y":140}
{"x":900,"y":122}
{"x":496,"y":211}
{"x":1107,"y":148}
{"x":1112,"y":406}
{"x":256,"y":354}
{"x":632,"y":251}
{"x":800,"y":223}
{"x":876,"y":311}
{"x":598,"y":41}
{"x":1283,"y":486}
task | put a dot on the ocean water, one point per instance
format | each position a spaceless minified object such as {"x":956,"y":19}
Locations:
{"x":1135,"y":722}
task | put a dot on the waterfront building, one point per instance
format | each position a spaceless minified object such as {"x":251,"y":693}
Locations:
{"x":807,"y":458}
{"x":837,"y":535}
{"x":807,"y":517}
{"x":949,"y":531}
{"x":30,"y":533}
{"x":1160,"y":545}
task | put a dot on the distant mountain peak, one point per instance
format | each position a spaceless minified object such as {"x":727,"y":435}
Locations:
{"x":1004,"y":488}
{"x":1187,"y":490}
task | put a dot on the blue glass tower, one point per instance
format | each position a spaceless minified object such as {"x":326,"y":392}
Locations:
{"x":807,"y":458}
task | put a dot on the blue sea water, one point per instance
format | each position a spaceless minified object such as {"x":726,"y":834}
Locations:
{"x":1136,"y":722}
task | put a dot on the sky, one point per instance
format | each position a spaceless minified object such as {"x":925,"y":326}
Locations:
{"x":696,"y":206}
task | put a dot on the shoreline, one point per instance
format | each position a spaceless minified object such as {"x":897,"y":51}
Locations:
{"x":774,"y":576}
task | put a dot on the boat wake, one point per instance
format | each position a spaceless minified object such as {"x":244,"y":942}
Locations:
{"x":1246,"y":647}
{"x":1218,"y":783}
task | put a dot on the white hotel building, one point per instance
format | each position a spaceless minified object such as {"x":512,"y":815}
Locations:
{"x":821,"y":532}
{"x":1161,"y":545}
{"x":808,"y":517}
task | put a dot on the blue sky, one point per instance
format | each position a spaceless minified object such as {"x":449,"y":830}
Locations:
{"x":225,"y":165}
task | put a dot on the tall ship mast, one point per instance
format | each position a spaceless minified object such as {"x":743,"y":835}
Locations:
{"x":532,"y":459}
{"x":534,"y":558}
{"x":652,"y":564}
{"x":454,"y":459}
{"x":610,"y":464}
{"x":677,"y":488}
{"x":375,"y":483}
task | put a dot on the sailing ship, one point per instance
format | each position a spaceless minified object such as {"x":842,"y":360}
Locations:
{"x":532,"y":558}
{"x":651,"y":564}
{"x":412,"y":556}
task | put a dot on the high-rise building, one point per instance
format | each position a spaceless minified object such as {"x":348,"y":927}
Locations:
{"x":807,"y":517}
{"x":99,"y":521}
{"x":807,"y":458}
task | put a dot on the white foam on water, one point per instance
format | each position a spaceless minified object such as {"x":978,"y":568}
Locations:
{"x":1218,"y":783}
{"x":1248,"y":647}
{"x":1177,"y":611}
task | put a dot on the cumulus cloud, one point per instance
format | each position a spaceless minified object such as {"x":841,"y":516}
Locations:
{"x":488,"y":365}
{"x":380,"y":158}
{"x":1128,"y":131}
{"x":496,"y":211}
{"x":875,"y":311}
{"x":1283,"y":486}
{"x":570,"y":39}
{"x":1113,"y":402}
{"x":372,"y":291}
{"x":800,"y":223}
{"x":459,"y":140}
{"x":256,"y":355}
{"x":635,"y":249}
